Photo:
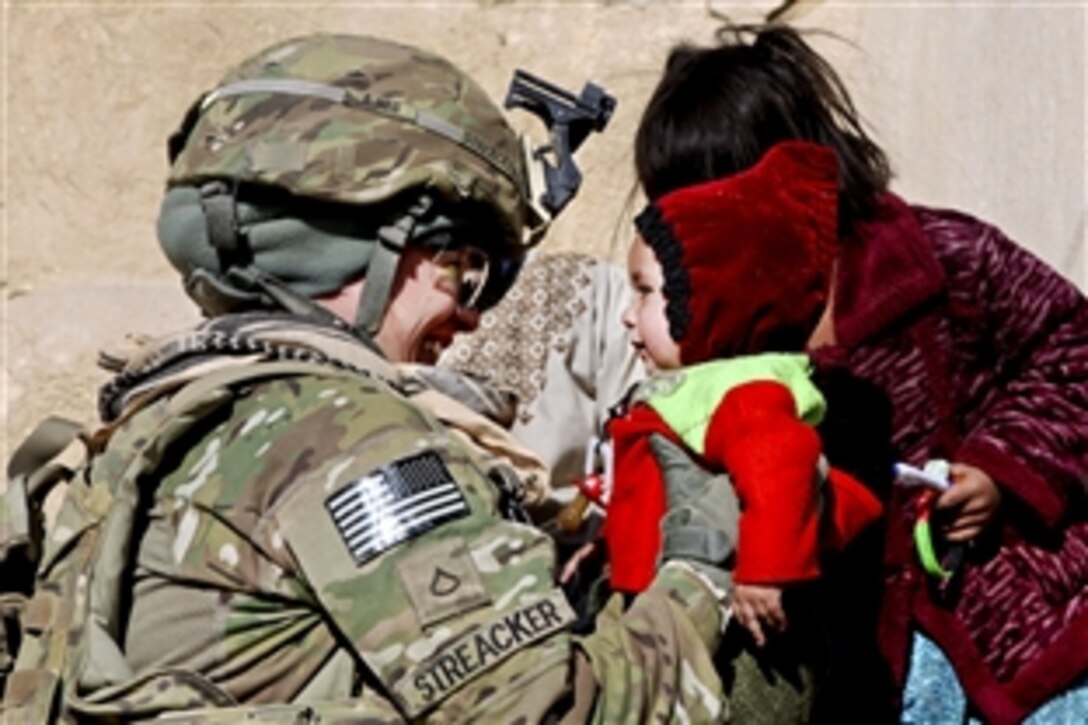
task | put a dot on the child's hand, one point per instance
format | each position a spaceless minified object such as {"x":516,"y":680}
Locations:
{"x":756,"y":606}
{"x":969,"y":505}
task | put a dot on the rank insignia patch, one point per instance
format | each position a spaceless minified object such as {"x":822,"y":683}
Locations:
{"x":395,"y":503}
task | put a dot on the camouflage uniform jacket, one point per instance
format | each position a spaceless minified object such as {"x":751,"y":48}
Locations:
{"x":309,"y":542}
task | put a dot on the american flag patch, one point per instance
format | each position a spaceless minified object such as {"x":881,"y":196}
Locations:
{"x":395,"y":503}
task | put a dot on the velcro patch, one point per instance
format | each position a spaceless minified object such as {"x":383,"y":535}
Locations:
{"x":394,"y":504}
{"x":462,"y":659}
{"x":441,"y":581}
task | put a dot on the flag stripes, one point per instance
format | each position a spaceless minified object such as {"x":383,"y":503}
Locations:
{"x":395,"y":503}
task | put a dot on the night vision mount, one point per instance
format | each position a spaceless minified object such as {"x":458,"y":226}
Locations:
{"x":569,"y":119}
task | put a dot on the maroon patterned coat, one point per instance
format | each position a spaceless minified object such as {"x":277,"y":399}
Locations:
{"x":983,"y":351}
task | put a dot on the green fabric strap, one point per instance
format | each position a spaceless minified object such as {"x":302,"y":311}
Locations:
{"x":218,"y":208}
{"x":377,"y":288}
{"x":392,"y":239}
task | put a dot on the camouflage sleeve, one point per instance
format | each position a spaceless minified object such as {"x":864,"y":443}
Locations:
{"x":450,"y":608}
{"x":652,"y":662}
{"x":453,"y":609}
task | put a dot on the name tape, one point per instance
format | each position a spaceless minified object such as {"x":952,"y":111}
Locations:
{"x":463,"y":658}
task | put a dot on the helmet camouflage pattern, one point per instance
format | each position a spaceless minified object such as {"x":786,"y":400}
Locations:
{"x":356,"y":120}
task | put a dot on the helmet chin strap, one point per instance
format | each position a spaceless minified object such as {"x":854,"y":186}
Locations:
{"x":242,"y":281}
{"x":380,"y":273}
{"x":242,"y":285}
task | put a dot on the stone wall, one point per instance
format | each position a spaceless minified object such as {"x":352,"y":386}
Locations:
{"x":980,"y":105}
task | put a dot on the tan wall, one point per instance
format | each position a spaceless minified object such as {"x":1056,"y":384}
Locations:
{"x":981,"y":106}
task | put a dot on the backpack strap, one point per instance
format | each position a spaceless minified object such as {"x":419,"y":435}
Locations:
{"x":51,"y":454}
{"x":34,"y":469}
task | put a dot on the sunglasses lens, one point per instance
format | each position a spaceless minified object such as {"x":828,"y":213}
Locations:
{"x":501,"y":275}
{"x":470,"y":268}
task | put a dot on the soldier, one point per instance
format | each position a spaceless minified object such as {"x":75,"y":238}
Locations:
{"x":274,"y":524}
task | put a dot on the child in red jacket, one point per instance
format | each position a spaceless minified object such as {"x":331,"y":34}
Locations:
{"x":721,"y":270}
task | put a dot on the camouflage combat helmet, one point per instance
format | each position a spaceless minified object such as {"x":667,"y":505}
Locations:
{"x":354,"y":121}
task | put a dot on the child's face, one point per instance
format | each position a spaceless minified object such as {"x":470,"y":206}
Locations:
{"x":645,"y":316}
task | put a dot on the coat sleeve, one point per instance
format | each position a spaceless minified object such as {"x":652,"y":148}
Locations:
{"x":771,"y":455}
{"x":1031,"y":432}
{"x":632,"y":528}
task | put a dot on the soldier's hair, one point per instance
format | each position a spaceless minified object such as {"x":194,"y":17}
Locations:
{"x":716,"y":110}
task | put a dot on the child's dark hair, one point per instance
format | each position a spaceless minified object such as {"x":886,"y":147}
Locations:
{"x":717,"y":110}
